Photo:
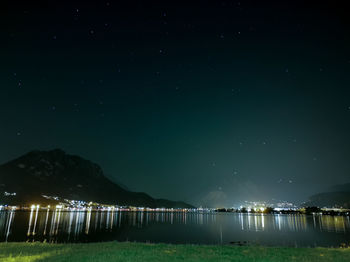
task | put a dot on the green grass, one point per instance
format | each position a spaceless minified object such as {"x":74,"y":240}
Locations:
{"x":124,"y":251}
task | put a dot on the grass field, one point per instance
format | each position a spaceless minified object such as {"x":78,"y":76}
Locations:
{"x":121,"y":251}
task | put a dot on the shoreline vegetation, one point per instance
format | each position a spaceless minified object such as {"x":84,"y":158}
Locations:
{"x":131,"y":251}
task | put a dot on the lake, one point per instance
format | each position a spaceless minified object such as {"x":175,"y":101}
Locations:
{"x":175,"y":227}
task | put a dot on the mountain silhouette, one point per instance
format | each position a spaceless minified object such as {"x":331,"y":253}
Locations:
{"x":55,"y":173}
{"x":337,"y":196}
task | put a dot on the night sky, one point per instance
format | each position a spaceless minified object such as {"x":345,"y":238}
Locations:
{"x":212,"y":102}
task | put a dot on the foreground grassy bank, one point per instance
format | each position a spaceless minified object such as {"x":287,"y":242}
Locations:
{"x":118,"y":251}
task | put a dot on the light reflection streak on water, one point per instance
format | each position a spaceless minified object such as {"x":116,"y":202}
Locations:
{"x":334,"y":224}
{"x":134,"y":219}
{"x":102,"y":214}
{"x":79,"y":223}
{"x":58,"y":222}
{"x":111,"y":224}
{"x":314,"y":220}
{"x":255,"y":223}
{"x":263,"y":221}
{"x":30,"y":222}
{"x":141,"y":218}
{"x":320,"y":222}
{"x":88,"y":220}
{"x":53,"y":219}
{"x":107,"y":220}
{"x":9,"y":224}
{"x":35,"y":221}
{"x":279,"y":222}
{"x":30,"y":231}
{"x":241,"y":220}
{"x":96,"y":220}
{"x":72,"y":225}
{"x":46,"y":220}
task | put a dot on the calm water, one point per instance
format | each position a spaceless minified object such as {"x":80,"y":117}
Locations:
{"x":208,"y":228}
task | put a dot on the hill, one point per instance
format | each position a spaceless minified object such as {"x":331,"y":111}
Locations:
{"x":55,"y":173}
{"x":338,"y":196}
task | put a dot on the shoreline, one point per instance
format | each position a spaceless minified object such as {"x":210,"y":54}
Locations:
{"x":181,"y":211}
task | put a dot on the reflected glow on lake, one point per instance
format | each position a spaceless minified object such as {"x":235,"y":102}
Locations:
{"x":174,"y":227}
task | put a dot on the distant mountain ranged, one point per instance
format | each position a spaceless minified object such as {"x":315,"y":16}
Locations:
{"x":55,"y":173}
{"x":337,"y":196}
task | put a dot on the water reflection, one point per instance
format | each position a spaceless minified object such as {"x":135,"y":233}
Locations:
{"x":6,"y":222}
{"x":86,"y":226}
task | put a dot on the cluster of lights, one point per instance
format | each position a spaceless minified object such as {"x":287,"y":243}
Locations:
{"x":35,"y":207}
{"x":9,"y":194}
{"x":260,"y":209}
{"x":6,"y":207}
{"x":32,"y":207}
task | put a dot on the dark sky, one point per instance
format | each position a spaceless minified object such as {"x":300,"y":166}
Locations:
{"x":212,"y":102}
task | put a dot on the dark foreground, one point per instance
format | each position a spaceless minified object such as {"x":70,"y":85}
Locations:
{"x":126,"y":251}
